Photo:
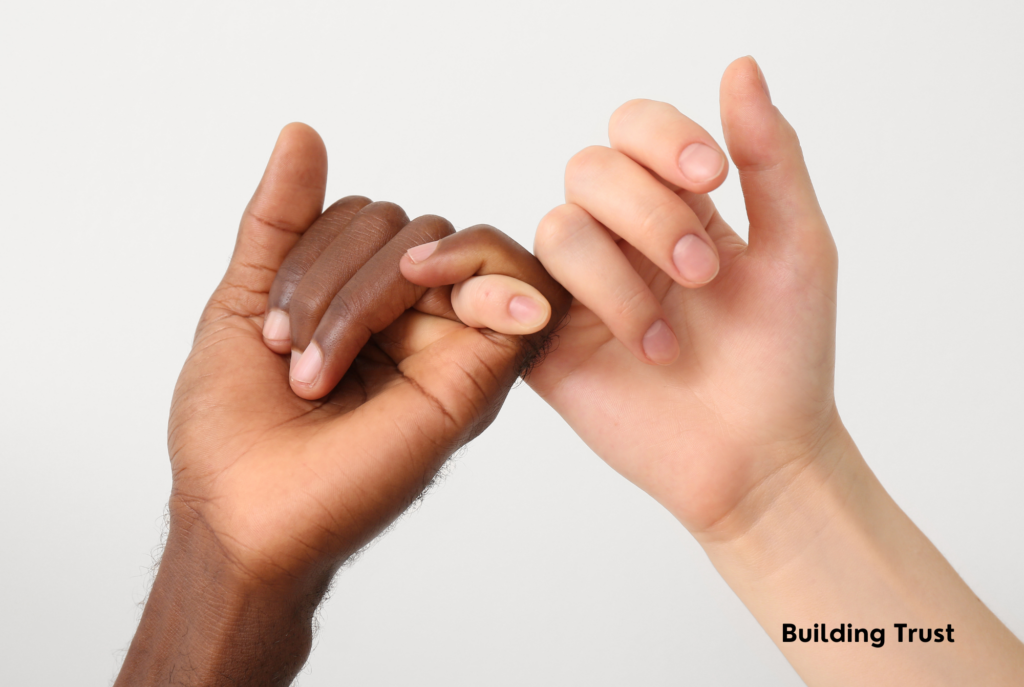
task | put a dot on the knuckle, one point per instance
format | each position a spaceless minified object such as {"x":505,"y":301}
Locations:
{"x":558,"y":227}
{"x":387,"y":211}
{"x":653,"y":219}
{"x":487,"y":237}
{"x":484,"y":232}
{"x":434,"y":226}
{"x":340,"y":312}
{"x":624,"y":112}
{"x":310,"y":299}
{"x":303,"y":307}
{"x":630,"y":302}
{"x":288,"y":276}
{"x":789,"y":133}
{"x":271,"y":221}
{"x":824,"y":246}
{"x":586,"y":163}
{"x":343,"y":319}
{"x":346,"y":201}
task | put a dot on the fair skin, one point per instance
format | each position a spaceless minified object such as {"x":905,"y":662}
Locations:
{"x":705,"y":376}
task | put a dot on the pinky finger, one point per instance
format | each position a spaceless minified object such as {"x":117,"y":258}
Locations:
{"x":501,"y":303}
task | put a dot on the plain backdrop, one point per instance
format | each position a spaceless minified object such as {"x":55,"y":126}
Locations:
{"x":133,"y":134}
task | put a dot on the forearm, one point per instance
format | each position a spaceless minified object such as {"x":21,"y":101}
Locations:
{"x":205,"y":623}
{"x":834,"y":549}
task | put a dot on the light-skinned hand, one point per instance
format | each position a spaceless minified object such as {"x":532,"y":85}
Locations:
{"x":701,"y":368}
{"x":696,"y":365}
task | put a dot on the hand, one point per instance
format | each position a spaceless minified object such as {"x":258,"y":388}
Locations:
{"x":291,"y":485}
{"x":709,"y":396}
{"x":715,"y":393}
{"x":339,"y":285}
{"x":272,"y":491}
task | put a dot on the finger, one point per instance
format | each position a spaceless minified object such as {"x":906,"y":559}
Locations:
{"x":367,"y":233}
{"x":437,"y":301}
{"x":728,"y":243}
{"x":501,"y":303}
{"x":580,"y":254}
{"x":448,"y":394}
{"x":662,"y":139}
{"x":704,"y":208}
{"x":482,"y":251}
{"x":413,"y":332}
{"x":785,"y":218}
{"x":316,"y":239}
{"x":623,"y":196}
{"x":374,"y":297}
{"x":289,"y":197}
{"x":467,"y":377}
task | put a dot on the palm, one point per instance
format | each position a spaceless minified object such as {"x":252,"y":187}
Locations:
{"x":280,"y":480}
{"x":754,"y":370}
{"x":287,"y":487}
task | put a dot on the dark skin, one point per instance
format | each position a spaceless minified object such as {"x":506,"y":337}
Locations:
{"x":272,"y":492}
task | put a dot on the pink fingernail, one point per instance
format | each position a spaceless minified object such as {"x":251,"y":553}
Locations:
{"x":700,"y":163}
{"x":307,"y":368}
{"x":660,"y":344}
{"x":695,"y":260}
{"x":525,"y":310}
{"x":421,"y":252}
{"x":277,"y":327}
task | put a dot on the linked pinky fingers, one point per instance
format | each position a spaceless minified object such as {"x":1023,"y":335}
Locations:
{"x":502,"y":303}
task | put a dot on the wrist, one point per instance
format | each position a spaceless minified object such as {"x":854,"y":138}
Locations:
{"x":829,"y":545}
{"x":814,"y":489}
{"x":207,"y":621}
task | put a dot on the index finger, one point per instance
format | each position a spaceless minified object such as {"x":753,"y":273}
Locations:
{"x":670,"y":144}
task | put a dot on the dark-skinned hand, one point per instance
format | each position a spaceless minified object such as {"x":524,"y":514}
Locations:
{"x":278,"y":478}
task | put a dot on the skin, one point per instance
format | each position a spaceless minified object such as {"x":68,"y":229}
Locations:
{"x":272,"y":492}
{"x":698,"y":366}
{"x":716,"y":397}
{"x":329,"y":297}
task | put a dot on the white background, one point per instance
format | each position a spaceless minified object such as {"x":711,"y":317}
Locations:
{"x":133,"y":133}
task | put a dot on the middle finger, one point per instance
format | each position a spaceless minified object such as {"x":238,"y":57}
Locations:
{"x":623,"y":196}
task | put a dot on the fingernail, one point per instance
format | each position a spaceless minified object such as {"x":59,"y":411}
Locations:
{"x":307,"y":368}
{"x":277,"y":327}
{"x":695,"y":260}
{"x":760,"y":75}
{"x":525,"y":310}
{"x":700,"y":163}
{"x":421,"y":252}
{"x":660,"y":344}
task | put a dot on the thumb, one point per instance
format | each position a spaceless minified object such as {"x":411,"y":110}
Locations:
{"x":785,"y":218}
{"x":445,"y":396}
{"x":289,"y":197}
{"x":467,"y":379}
